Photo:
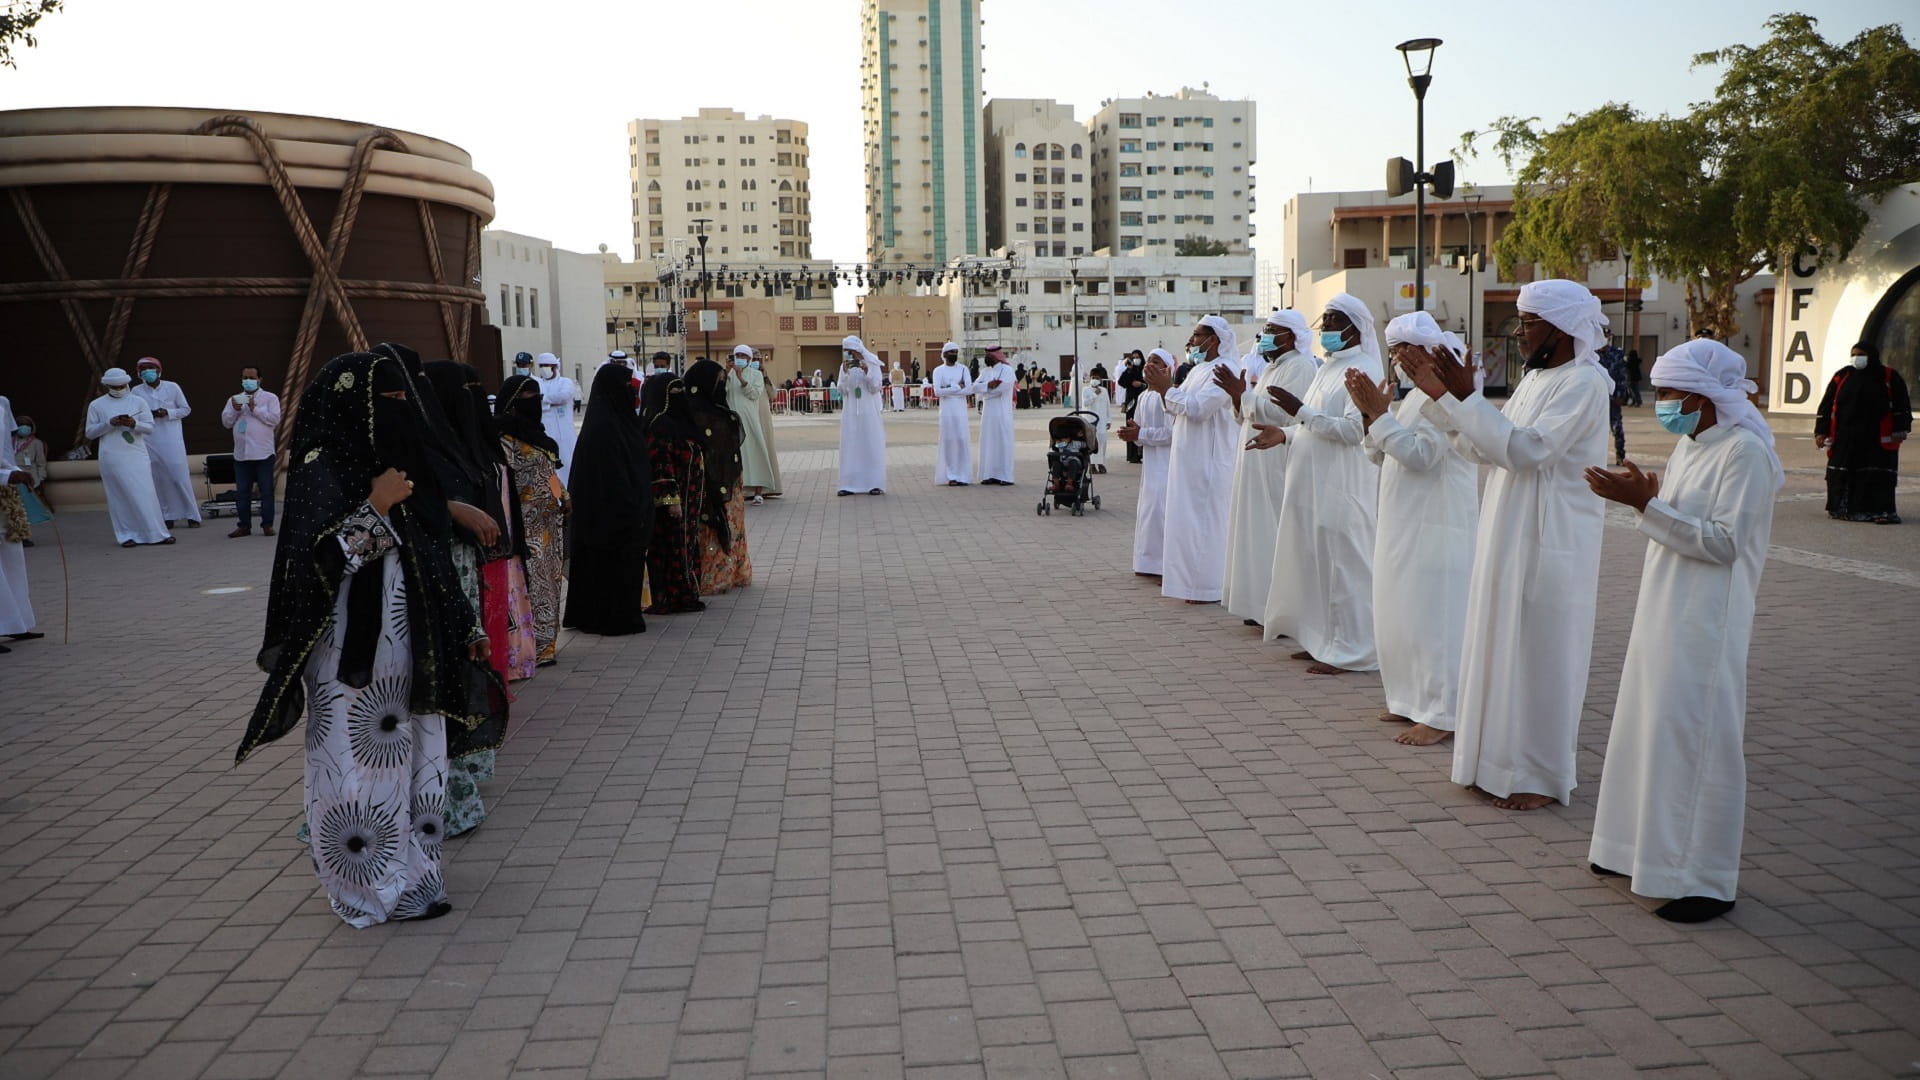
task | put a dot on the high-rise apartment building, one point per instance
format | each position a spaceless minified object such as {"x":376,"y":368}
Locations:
{"x":1039,"y":200}
{"x":749,"y":176}
{"x":1168,"y":167}
{"x":920,"y":89}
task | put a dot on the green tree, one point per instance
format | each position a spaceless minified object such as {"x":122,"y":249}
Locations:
{"x":1195,"y":244}
{"x":17,"y":20}
{"x":1799,"y":134}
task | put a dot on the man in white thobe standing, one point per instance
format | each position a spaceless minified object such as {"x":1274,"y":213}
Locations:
{"x":16,"y":607}
{"x":1673,"y":790}
{"x":1536,"y":561}
{"x":1321,"y":591}
{"x":1151,"y":429}
{"x":122,"y":423}
{"x":557,"y":397}
{"x":1200,"y":470}
{"x":995,"y":390}
{"x":167,"y":446}
{"x":863,"y":437}
{"x":953,"y":385}
{"x":1280,"y":358}
{"x":1423,"y":545}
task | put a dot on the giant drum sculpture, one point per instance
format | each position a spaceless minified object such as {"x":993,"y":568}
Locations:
{"x":213,"y":240}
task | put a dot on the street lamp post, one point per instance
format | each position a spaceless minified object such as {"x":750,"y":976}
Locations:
{"x":1401,"y":176}
{"x":706,"y":288}
{"x":1073,"y":269}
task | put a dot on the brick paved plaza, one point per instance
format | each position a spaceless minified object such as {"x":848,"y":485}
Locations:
{"x":947,"y":793}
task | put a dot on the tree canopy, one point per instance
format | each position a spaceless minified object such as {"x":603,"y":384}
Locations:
{"x":1800,"y":133}
{"x":1195,"y":244}
{"x":17,"y":20}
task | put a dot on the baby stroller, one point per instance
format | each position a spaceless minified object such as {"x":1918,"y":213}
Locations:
{"x":1072,"y":440}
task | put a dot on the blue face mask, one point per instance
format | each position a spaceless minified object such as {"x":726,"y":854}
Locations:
{"x":1269,"y":343}
{"x":1333,"y":341}
{"x":1197,"y":355}
{"x":149,"y":376}
{"x":739,"y":361}
{"x":23,"y":431}
{"x":1670,"y":417}
{"x":754,"y":364}
{"x":249,"y":385}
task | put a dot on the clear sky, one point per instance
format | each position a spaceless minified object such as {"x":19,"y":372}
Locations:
{"x":540,"y":93}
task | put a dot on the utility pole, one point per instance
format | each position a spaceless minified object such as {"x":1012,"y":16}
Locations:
{"x":706,"y":289}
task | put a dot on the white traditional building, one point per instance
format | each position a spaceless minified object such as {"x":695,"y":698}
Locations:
{"x":1117,"y":303}
{"x":1873,"y":296}
{"x":543,"y":299}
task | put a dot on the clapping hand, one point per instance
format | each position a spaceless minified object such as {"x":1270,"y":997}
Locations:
{"x":1266,"y":437}
{"x":1631,"y":488}
{"x":1231,"y":381}
{"x":1372,"y":401}
{"x":1158,"y":375}
{"x":1288,"y":403}
{"x":1128,"y":432}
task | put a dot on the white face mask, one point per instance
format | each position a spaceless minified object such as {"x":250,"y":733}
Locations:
{"x":118,"y":391}
{"x":1860,"y":361}
{"x":548,"y":373}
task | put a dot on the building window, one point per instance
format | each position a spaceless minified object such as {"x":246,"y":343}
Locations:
{"x":1019,"y":150}
{"x":1129,"y":120}
{"x":1132,"y":146}
{"x":519,"y":306}
{"x":505,"y":318}
{"x":533,"y":308}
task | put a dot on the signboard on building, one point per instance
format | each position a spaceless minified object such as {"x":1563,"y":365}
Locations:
{"x":1403,"y":296}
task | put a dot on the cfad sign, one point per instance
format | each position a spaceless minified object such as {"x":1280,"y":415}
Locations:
{"x":1803,"y":325}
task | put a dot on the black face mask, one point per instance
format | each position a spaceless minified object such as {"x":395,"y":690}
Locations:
{"x":526,"y":407}
{"x":1541,"y":356}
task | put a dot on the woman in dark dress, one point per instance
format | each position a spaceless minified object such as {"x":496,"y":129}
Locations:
{"x":610,"y":484}
{"x":1864,"y":417}
{"x":724,"y":563}
{"x":679,"y":470}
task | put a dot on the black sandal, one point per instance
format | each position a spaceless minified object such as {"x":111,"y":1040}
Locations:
{"x":434,"y":911}
{"x":843,"y":491}
{"x":876,"y":491}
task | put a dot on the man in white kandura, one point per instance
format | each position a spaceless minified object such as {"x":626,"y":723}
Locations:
{"x":167,"y":446}
{"x":953,"y":385}
{"x":1152,"y":429}
{"x":1200,"y":471}
{"x":1100,"y":404}
{"x":557,"y":397}
{"x":897,"y":384}
{"x":16,"y":607}
{"x":1280,"y":358}
{"x":863,"y":438}
{"x":1322,"y":583}
{"x":122,"y":423}
{"x":1423,"y":547}
{"x":994,"y":387}
{"x":1673,"y":790}
{"x":1536,"y":560}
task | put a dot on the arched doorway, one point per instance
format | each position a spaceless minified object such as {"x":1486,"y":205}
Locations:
{"x":1894,"y":326}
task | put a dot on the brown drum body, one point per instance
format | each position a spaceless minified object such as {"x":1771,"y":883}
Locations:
{"x":213,"y":240}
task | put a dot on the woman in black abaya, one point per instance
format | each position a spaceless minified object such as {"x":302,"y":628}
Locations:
{"x":611,"y":489}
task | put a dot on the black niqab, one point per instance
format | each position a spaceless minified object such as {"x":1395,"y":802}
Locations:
{"x":517,"y":414}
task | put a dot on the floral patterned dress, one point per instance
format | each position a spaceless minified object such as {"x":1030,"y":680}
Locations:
{"x":726,"y":567}
{"x":542,"y":513}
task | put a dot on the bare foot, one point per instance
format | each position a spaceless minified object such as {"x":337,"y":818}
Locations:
{"x":1422,"y":735}
{"x":1523,"y":800}
{"x":1393,"y":718}
{"x":1318,"y":668}
{"x":1301,"y":655}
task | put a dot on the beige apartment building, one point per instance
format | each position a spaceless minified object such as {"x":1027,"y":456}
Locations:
{"x":1039,"y":202}
{"x":1169,"y":166}
{"x":748,"y":176}
{"x":921,"y":93}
